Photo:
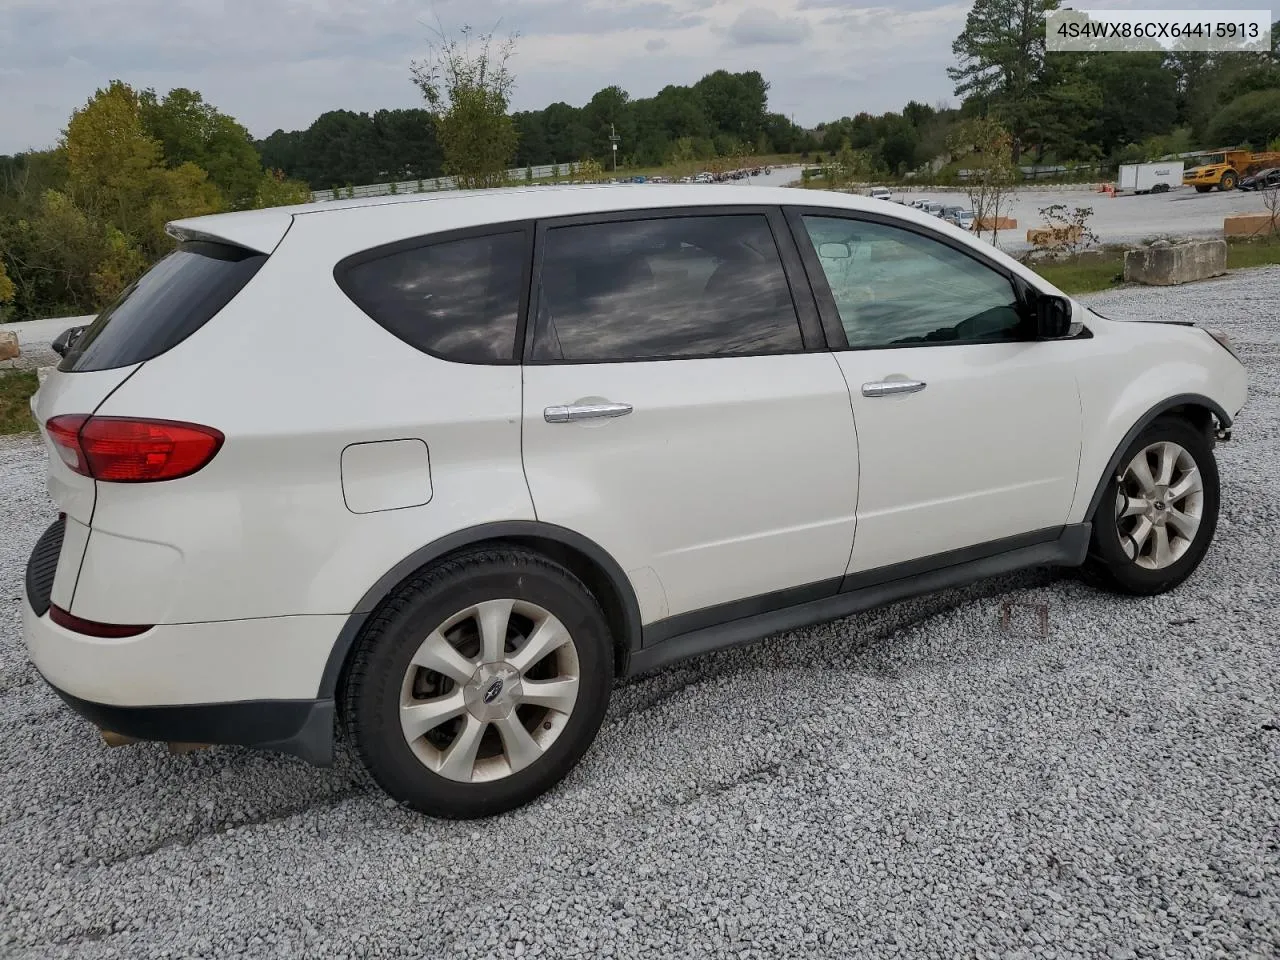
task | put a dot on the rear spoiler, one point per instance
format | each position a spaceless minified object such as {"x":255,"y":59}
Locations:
{"x":258,"y":230}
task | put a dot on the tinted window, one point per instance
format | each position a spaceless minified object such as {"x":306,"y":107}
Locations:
{"x":167,"y":304}
{"x":674,"y":287}
{"x":893,"y":287}
{"x":458,"y":299}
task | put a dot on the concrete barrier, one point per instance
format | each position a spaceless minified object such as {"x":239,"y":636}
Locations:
{"x":1001,"y":223}
{"x":1053,"y":236}
{"x":1248,"y":225}
{"x":1164,"y":264}
{"x":9,"y":346}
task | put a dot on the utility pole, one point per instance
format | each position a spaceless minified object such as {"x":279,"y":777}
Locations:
{"x":614,"y":140}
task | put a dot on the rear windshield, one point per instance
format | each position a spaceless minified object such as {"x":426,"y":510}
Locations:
{"x":164,"y":306}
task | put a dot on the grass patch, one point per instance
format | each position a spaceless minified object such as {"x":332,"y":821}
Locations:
{"x":1253,"y":253}
{"x":16,"y":389}
{"x":1086,"y":276}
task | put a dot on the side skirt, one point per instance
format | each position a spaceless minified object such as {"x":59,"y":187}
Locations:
{"x":864,"y":591}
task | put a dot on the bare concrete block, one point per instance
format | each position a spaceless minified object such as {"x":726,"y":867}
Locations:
{"x":1165,"y":264}
{"x":9,"y":345}
{"x":1054,"y":236}
{"x":1249,"y":225}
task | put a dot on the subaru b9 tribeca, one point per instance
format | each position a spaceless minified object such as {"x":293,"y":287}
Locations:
{"x":432,"y":473}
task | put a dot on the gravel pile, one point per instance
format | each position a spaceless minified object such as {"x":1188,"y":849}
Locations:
{"x":935,"y":780}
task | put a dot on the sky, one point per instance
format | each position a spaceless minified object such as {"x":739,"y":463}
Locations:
{"x":281,"y":63}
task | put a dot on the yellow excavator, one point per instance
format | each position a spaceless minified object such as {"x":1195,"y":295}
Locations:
{"x":1224,"y":169}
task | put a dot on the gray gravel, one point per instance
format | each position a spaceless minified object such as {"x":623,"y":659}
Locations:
{"x":915,"y":782}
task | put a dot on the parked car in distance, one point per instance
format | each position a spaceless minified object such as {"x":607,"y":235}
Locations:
{"x":529,"y":442}
{"x":951,"y":213}
{"x":1262,"y":180}
{"x":880,"y":193}
{"x":964,"y":220}
{"x":931,"y":207}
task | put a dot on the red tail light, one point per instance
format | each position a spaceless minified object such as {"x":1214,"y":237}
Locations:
{"x":92,"y":628}
{"x":128,"y":450}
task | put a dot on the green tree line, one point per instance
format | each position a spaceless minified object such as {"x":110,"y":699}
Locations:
{"x":81,"y":221}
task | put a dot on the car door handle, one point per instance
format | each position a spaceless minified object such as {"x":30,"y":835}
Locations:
{"x":585,"y":411}
{"x":887,"y":388}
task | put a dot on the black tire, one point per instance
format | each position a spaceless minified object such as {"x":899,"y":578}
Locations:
{"x":1108,"y":565}
{"x":1228,"y":182}
{"x":370,"y":696}
{"x":1200,"y":189}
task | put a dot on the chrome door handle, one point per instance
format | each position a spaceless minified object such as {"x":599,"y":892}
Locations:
{"x":585,"y":411}
{"x":887,"y":388}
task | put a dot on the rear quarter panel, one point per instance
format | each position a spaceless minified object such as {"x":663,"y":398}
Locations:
{"x":292,"y":372}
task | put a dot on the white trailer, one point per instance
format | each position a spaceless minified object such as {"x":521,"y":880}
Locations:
{"x":1150,"y":177}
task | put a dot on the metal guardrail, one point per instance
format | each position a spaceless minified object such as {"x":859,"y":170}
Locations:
{"x":516,"y":175}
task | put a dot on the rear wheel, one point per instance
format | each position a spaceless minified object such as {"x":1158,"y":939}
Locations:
{"x":1228,"y":181}
{"x":479,"y":684}
{"x":1158,"y":513}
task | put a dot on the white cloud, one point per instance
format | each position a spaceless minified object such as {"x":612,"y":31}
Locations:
{"x":758,"y":26}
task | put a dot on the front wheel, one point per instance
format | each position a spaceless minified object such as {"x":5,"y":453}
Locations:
{"x":1158,"y":513}
{"x":1228,"y":181}
{"x":479,"y":684}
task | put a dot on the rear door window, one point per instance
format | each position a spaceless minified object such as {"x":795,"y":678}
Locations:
{"x":663,"y":288}
{"x":456,"y":299}
{"x":164,"y":306}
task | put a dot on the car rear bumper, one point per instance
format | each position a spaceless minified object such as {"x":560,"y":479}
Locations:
{"x":303,"y":728}
{"x":249,"y":682}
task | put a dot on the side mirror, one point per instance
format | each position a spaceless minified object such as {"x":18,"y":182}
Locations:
{"x":63,"y":341}
{"x":1053,"y":317}
{"x":834,"y":251}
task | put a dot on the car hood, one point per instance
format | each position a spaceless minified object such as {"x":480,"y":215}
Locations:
{"x":1167,"y":322}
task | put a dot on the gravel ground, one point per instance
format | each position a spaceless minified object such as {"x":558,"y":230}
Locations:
{"x":916,"y":782}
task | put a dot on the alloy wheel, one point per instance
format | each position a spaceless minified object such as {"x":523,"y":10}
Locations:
{"x":489,"y":690}
{"x":1159,"y":505}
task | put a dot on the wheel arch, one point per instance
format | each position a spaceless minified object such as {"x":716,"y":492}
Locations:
{"x":587,"y":560}
{"x":1197,"y":409}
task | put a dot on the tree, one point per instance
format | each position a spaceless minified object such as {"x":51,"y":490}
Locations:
{"x":734,"y":102}
{"x":176,"y":194}
{"x":897,"y":143}
{"x":7,"y":289}
{"x":1002,"y":55}
{"x":991,"y":171}
{"x":606,"y":112}
{"x":192,"y":131}
{"x":405,"y":145}
{"x":64,"y":260}
{"x":283,"y":150}
{"x":277,"y":190}
{"x":337,"y":150}
{"x":1253,"y":119}
{"x":1137,"y":98}
{"x":111,"y":161}
{"x":468,"y":90}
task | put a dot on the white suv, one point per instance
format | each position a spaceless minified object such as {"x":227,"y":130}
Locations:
{"x":438,"y":470}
